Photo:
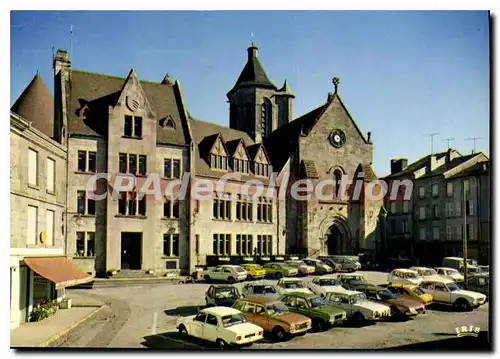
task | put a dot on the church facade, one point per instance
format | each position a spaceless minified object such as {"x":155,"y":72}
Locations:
{"x":126,"y":126}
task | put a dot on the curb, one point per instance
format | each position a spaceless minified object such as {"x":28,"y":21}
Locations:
{"x":71,"y":327}
{"x":86,"y":305}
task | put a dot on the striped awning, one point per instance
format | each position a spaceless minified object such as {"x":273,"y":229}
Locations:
{"x":58,"y":270}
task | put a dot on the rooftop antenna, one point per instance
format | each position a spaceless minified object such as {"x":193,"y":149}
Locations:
{"x":71,"y":42}
{"x":431,"y":135}
{"x":53,"y":58}
{"x":449,"y":139}
{"x":473,"y":139}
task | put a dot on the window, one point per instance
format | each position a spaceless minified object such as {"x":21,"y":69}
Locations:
{"x":82,"y":161}
{"x":130,"y":204}
{"x":470,"y":207}
{"x":86,"y":161}
{"x":142,"y":164}
{"x":435,"y":211}
{"x":32,"y":225}
{"x":222,"y":207}
{"x":405,"y":226}
{"x":261,"y":169}
{"x":435,"y":233}
{"x":244,"y":244}
{"x":92,"y":161}
{"x":393,"y":207}
{"x":421,"y":192}
{"x":448,"y":209}
{"x":171,"y":245}
{"x":435,"y":190}
{"x":80,"y":202}
{"x":264,"y":210}
{"x":449,"y":233}
{"x":406,"y":206}
{"x":211,"y":319}
{"x":171,"y":208}
{"x":136,"y":164}
{"x":49,"y":227}
{"x":200,"y":317}
{"x":221,"y":244}
{"x":32,"y":167}
{"x":218,"y":162}
{"x":177,"y":169}
{"x":449,"y":189}
{"x":244,"y":208}
{"x":458,"y":207}
{"x":466,"y":188}
{"x":264,"y":244}
{"x":197,"y":244}
{"x":132,"y":126}
{"x":123,"y":163}
{"x":239,"y":165}
{"x":132,"y":164}
{"x":172,"y":168}
{"x":423,"y":233}
{"x":85,"y":244}
{"x":470,"y":231}
{"x":421,"y":213}
{"x":51,"y":175}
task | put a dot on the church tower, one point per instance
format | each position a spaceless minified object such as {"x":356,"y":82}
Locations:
{"x":256,"y":105}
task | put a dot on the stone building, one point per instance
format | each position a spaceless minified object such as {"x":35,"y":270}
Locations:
{"x":39,"y":269}
{"x":429,"y":225}
{"x":121,"y":126}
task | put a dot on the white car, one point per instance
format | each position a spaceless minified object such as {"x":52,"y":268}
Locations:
{"x":424,"y":271}
{"x":404,"y":276}
{"x":324,"y":284}
{"x":226,"y":273}
{"x":448,"y":292}
{"x":356,"y":305}
{"x":450,"y":273}
{"x":221,"y":325}
{"x":292,"y":285}
{"x":301,"y":266}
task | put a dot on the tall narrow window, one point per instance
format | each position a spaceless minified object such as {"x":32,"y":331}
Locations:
{"x":32,"y":225}
{"x":167,"y":168}
{"x":142,"y":164}
{"x":80,"y":202}
{"x":175,"y":245}
{"x":337,"y":176}
{"x":91,"y":206}
{"x":51,"y":174}
{"x":142,"y":206}
{"x":449,"y":189}
{"x":177,"y":168}
{"x":132,"y":164}
{"x":128,"y":126}
{"x":122,"y":203}
{"x":137,"y":126}
{"x":32,"y":167}
{"x":175,"y":209}
{"x":80,"y":244}
{"x":123,"y":163}
{"x":90,"y":244}
{"x":131,"y":203}
{"x":49,"y":227}
{"x":92,"y":161}
{"x":435,"y":190}
{"x":82,"y":161}
{"x":265,"y":118}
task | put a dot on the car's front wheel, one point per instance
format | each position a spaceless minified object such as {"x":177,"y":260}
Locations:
{"x":358,"y":318}
{"x":278,"y":333}
{"x":231,"y":280}
{"x":221,"y":344}
{"x":249,"y":277}
{"x":278,"y":275}
{"x":319,"y":325}
{"x":183,"y":331}
{"x":207,"y":278}
{"x":462,"y":304}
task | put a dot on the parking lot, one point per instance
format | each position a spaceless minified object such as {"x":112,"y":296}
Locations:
{"x":152,"y":312}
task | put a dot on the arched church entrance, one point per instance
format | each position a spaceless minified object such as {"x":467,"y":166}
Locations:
{"x":335,"y":240}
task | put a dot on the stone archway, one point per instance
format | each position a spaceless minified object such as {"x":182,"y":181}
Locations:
{"x":336,"y":238}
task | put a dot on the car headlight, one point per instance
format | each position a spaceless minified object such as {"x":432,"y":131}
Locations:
{"x":412,"y":310}
{"x":474,"y":301}
{"x":292,"y":327}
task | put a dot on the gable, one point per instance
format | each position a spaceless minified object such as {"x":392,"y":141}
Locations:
{"x":240,"y":152}
{"x":133,"y":97}
{"x":218,"y":148}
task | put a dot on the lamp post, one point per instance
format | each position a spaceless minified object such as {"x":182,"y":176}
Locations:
{"x":465,"y":233}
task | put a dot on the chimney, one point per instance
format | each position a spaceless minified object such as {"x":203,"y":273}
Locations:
{"x":61,"y":61}
{"x":398,"y":164}
{"x":433,"y":165}
{"x":252,"y":52}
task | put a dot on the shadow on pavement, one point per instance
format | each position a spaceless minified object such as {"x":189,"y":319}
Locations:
{"x":446,"y":308}
{"x":172,"y":340}
{"x":481,"y":343}
{"x":185,"y":311}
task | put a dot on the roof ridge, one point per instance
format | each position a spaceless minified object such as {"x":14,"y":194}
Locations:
{"x":118,"y":77}
{"x":217,"y":125}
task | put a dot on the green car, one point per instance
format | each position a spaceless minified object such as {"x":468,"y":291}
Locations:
{"x":279,"y":270}
{"x":313,"y":306}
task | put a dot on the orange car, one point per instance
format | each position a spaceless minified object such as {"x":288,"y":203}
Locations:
{"x":273,"y":316}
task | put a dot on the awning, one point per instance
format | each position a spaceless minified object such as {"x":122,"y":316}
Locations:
{"x":58,"y":270}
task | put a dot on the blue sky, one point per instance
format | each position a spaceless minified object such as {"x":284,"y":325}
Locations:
{"x":403,"y":74}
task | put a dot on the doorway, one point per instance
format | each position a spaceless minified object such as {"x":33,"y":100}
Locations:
{"x":334,"y":242}
{"x":131,"y":251}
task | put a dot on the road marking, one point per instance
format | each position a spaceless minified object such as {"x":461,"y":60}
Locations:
{"x":181,"y":341}
{"x":153,"y":327}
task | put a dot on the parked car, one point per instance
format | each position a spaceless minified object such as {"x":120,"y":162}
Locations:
{"x":279,"y":270}
{"x":337,"y":267}
{"x":227,"y":273}
{"x":347,"y":264}
{"x":313,"y":306}
{"x":324,"y":284}
{"x":221,"y":325}
{"x":424,"y":271}
{"x":480,"y":283}
{"x":301,"y":266}
{"x":288,"y":285}
{"x":319,"y":266}
{"x":273,"y":316}
{"x":400,"y":306}
{"x":484,"y":269}
{"x":450,"y":273}
{"x":221,"y":295}
{"x":254,"y":271}
{"x":470,"y":269}
{"x":446,"y":291}
{"x":411,"y":291}
{"x":352,"y":281}
{"x":457,"y":262}
{"x":357,"y":306}
{"x":404,"y":276}
{"x":260,"y":290}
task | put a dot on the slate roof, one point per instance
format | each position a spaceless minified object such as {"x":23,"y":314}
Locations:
{"x":36,"y":105}
{"x":310,"y":170}
{"x":449,"y":165}
{"x":98,"y":91}
{"x":253,"y":73}
{"x":422,"y":162}
{"x":481,"y":167}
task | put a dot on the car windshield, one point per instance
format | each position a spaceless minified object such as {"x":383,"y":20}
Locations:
{"x":277,"y":309}
{"x":354,"y":280}
{"x":293,"y":285}
{"x":410,"y":275}
{"x":452,"y":272}
{"x":225,"y":293}
{"x":356,"y":298}
{"x":233,"y":319}
{"x":239,"y":269}
{"x":317,"y":302}
{"x":429,"y":272}
{"x":264,"y":289}
{"x":255,"y":266}
{"x":452,"y":287}
{"x":385,"y":294}
{"x":331,"y":281}
{"x":418,"y":291}
{"x":292,"y":264}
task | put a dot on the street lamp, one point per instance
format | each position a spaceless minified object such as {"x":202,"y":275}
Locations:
{"x":465,"y":232}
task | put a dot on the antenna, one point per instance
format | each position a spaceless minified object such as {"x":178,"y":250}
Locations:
{"x":71,"y":42}
{"x":53,"y":58}
{"x":449,"y":139}
{"x":431,"y":135}
{"x":473,"y":139}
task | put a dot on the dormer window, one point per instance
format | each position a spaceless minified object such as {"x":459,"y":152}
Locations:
{"x":167,"y":123}
{"x":218,"y":162}
{"x":132,"y":126}
{"x":240,"y":165}
{"x":261,"y":169}
{"x":218,"y":155}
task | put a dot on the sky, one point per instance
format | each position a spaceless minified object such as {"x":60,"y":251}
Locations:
{"x":403,"y":75}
